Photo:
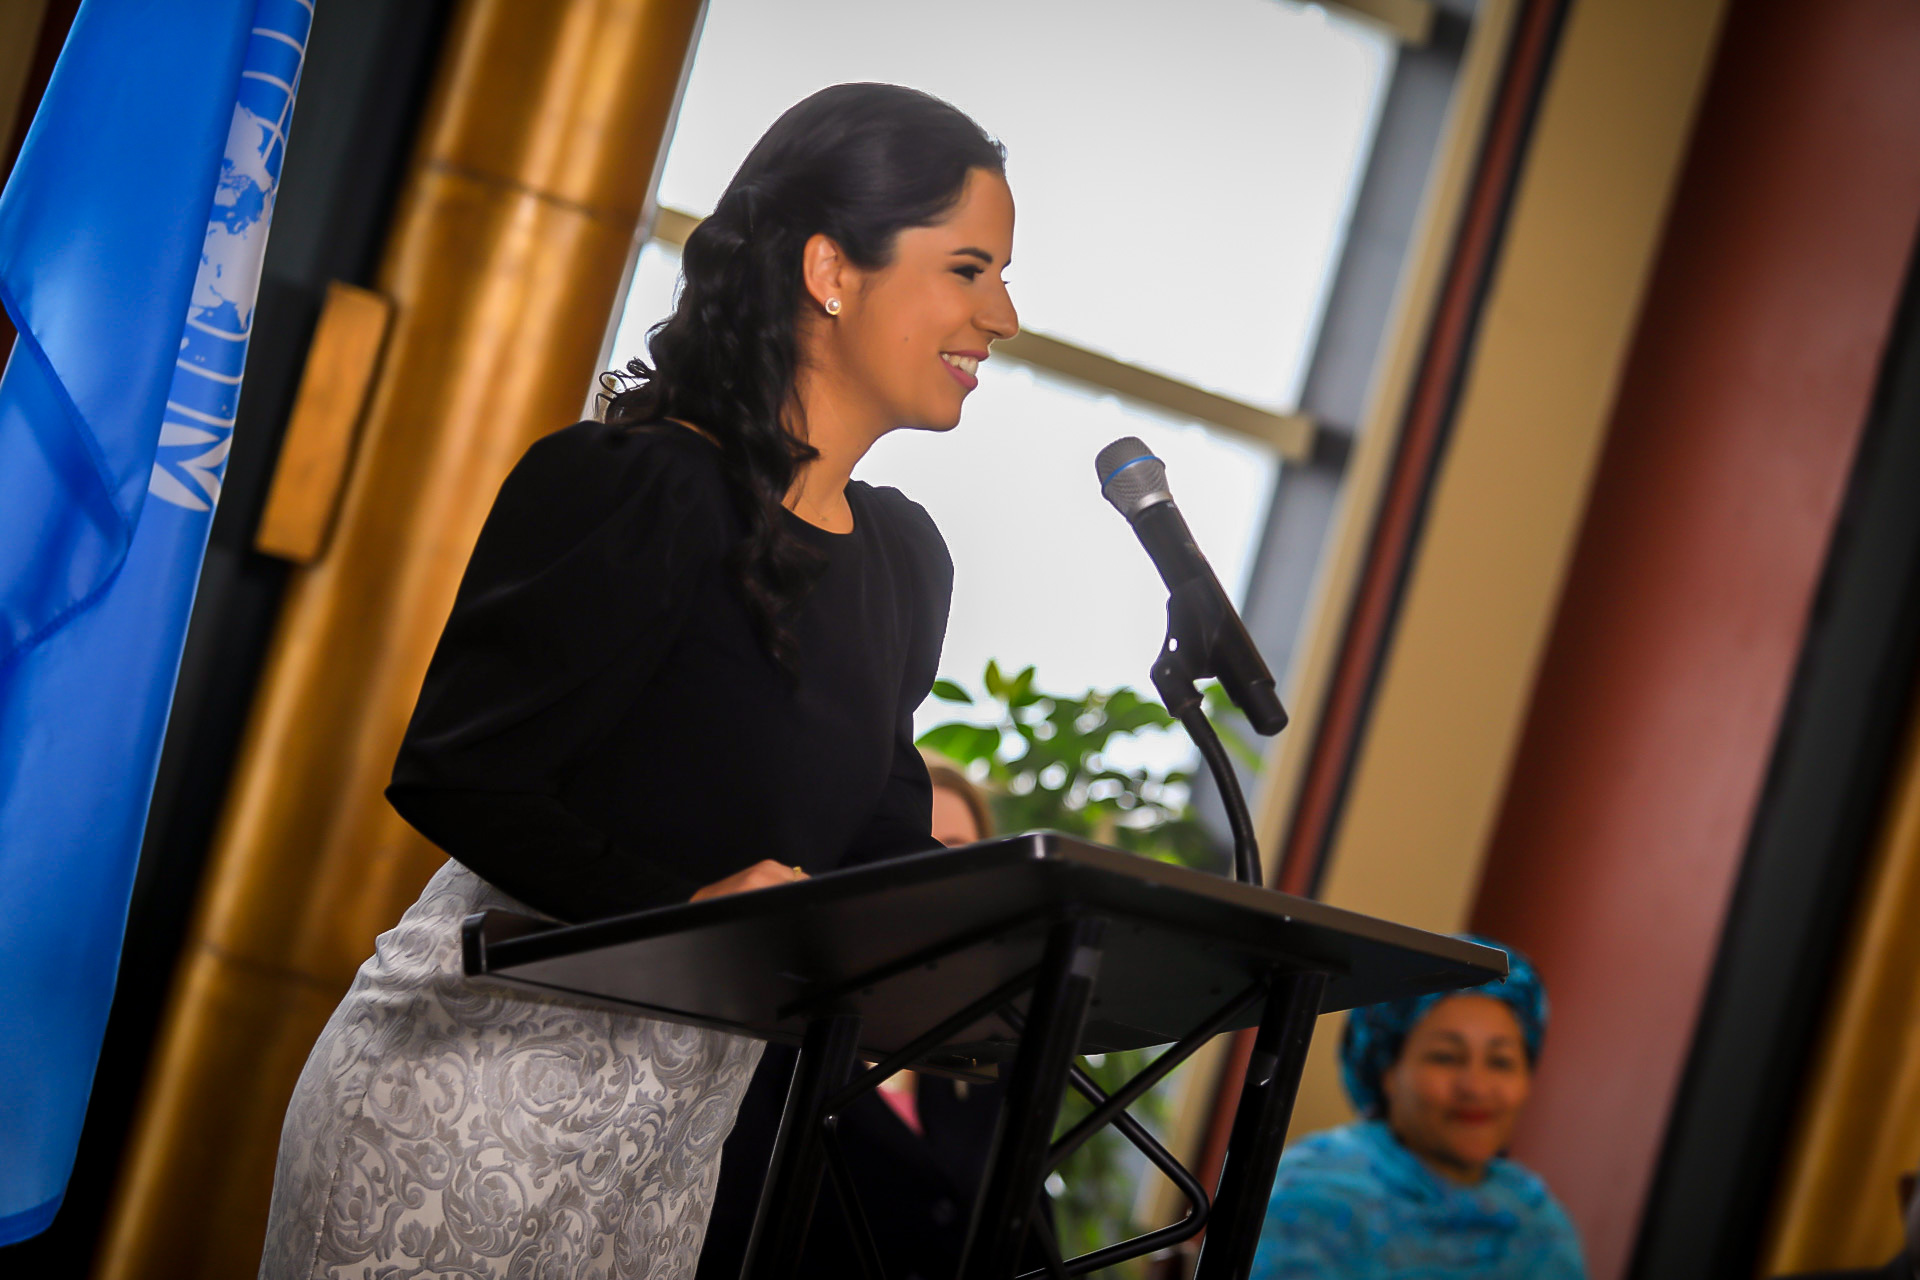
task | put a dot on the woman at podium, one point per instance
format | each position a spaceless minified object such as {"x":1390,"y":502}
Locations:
{"x":683,"y":661}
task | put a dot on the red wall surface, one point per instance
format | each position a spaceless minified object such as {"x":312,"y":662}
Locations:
{"x":1657,"y":703}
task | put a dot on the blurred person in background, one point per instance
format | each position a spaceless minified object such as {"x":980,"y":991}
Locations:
{"x":1419,"y":1185}
{"x":916,"y":1147}
{"x":961,"y":814}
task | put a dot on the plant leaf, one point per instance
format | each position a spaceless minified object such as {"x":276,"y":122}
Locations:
{"x":995,"y":682}
{"x":948,"y":691}
{"x":961,"y":742}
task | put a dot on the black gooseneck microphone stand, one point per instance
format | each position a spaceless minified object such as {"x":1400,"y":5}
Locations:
{"x":1196,"y":615}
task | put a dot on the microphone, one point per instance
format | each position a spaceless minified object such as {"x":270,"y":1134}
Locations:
{"x":1206,"y":630}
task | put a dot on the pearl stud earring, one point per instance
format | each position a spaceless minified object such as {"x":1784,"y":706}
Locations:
{"x":833,"y":306}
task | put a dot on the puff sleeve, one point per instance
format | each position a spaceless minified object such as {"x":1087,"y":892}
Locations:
{"x":583,"y":575}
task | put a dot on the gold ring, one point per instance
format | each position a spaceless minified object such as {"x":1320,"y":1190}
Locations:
{"x":798,"y":874}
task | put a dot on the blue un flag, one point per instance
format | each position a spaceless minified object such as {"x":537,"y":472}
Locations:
{"x":131,"y":234}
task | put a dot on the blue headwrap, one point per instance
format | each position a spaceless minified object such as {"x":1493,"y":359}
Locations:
{"x":1377,"y":1032}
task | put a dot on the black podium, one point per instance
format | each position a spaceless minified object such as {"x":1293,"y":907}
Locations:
{"x":1007,"y":957}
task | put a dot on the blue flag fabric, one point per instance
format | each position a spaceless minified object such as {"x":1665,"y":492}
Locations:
{"x":131,"y":234}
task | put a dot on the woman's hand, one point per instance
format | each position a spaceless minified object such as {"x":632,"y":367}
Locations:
{"x":761,"y":875}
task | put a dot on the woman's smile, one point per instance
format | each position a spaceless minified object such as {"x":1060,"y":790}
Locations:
{"x":1472,"y":1115}
{"x":963,"y":365}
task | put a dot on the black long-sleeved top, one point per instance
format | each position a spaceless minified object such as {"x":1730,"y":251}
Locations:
{"x":601,"y":730}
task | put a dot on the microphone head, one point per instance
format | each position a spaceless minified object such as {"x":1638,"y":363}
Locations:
{"x":1131,"y":478}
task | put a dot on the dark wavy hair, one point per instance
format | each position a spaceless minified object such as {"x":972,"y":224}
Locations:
{"x":857,"y":163}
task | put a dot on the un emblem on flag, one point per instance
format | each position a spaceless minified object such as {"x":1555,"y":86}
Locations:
{"x":198,"y":428}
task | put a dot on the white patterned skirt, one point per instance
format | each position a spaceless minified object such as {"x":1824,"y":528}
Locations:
{"x":450,"y":1128}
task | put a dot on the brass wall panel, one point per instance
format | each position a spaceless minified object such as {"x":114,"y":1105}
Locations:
{"x":211,"y":1223}
{"x":507,"y":252}
{"x":1859,"y":1127}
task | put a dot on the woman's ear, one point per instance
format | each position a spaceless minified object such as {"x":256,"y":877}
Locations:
{"x":827,"y":274}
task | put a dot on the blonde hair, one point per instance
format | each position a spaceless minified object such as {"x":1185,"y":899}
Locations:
{"x":948,"y":776}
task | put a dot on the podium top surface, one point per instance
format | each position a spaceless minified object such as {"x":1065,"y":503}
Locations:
{"x":906,"y":943}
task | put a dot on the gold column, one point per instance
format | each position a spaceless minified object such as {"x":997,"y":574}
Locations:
{"x":507,"y":251}
{"x":1859,"y":1125}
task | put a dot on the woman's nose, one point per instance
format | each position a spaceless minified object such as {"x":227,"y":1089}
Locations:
{"x":1000,"y":320}
{"x":1474,"y":1084}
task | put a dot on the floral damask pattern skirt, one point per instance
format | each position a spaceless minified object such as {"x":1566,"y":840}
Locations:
{"x":449,"y":1128}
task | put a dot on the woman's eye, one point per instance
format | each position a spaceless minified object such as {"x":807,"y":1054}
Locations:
{"x":969,"y":274}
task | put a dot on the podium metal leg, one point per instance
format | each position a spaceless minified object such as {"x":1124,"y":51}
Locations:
{"x":1053,"y":1023}
{"x":1260,"y":1126}
{"x":799,"y":1152}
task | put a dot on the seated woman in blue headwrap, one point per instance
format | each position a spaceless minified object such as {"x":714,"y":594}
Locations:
{"x":1418,"y":1187}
